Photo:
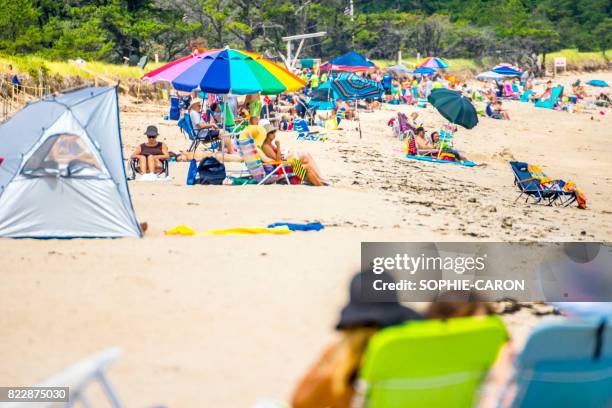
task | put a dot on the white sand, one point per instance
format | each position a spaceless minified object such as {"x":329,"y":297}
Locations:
{"x":221,"y":321}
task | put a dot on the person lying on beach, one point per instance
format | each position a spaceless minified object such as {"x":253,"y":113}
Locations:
{"x":271,"y":148}
{"x":198,"y":156}
{"x":330,"y":382}
{"x":214,"y":133}
{"x":151,"y":153}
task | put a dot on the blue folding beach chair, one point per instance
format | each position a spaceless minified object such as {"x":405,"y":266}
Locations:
{"x":532,"y":188}
{"x":304,"y":132}
{"x":565,"y":365}
{"x":556,"y":92}
{"x":196,"y":136}
{"x":529,"y":186}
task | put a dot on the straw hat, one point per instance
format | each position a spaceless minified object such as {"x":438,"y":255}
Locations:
{"x":270,"y":128}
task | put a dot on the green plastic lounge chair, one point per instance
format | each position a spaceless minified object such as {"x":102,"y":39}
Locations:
{"x":565,"y":365}
{"x":525,"y":96}
{"x":430,"y":363}
{"x":550,"y":102}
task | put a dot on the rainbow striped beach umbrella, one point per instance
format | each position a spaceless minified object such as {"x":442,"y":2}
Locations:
{"x":226,"y":71}
{"x":433,"y":62}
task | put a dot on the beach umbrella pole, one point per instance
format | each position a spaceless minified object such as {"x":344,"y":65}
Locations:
{"x":224,"y":99}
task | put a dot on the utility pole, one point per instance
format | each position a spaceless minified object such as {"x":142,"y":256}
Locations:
{"x":352,"y":11}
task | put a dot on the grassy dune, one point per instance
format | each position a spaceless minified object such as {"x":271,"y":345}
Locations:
{"x":61,"y":70}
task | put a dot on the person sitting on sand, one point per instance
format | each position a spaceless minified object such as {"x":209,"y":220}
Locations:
{"x":330,"y":382}
{"x":214,"y":133}
{"x":271,"y":148}
{"x":494,"y":110}
{"x":151,"y":153}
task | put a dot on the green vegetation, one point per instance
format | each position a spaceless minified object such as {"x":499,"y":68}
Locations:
{"x":479,"y":30}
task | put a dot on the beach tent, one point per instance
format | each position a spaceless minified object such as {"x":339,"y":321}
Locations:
{"x":323,"y":98}
{"x":63,"y":173}
{"x":351,"y":62}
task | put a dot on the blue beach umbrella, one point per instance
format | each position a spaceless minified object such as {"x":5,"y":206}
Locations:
{"x":424,"y":71}
{"x":506,"y":71}
{"x":350,"y":86}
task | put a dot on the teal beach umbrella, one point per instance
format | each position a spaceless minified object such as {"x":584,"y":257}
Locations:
{"x":455,"y":107}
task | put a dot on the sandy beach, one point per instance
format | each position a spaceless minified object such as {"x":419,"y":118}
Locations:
{"x":221,"y":321}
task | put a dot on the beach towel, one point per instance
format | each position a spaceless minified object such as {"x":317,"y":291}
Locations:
{"x":311,"y":226}
{"x":188,"y":231}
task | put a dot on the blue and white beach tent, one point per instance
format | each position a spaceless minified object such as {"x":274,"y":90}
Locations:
{"x":63,"y":173}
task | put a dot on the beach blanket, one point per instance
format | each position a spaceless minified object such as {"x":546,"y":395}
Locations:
{"x":466,"y":163}
{"x":311,"y":226}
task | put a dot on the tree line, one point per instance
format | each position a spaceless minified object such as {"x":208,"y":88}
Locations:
{"x":125,"y":30}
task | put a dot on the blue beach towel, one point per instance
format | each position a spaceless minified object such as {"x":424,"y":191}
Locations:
{"x":311,"y":226}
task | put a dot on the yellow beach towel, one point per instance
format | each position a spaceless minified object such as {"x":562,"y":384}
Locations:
{"x":188,"y":231}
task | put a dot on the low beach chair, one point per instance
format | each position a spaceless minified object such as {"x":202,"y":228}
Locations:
{"x":133,"y":169}
{"x":556,"y":92}
{"x":89,"y":372}
{"x":405,"y":129}
{"x":525,"y":97}
{"x":531,"y":186}
{"x":304,"y":132}
{"x":564,"y":365}
{"x":196,"y":136}
{"x":430,"y":363}
{"x":255,"y":166}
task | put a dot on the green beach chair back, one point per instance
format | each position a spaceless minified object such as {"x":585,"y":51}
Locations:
{"x":550,"y":102}
{"x":430,"y":363}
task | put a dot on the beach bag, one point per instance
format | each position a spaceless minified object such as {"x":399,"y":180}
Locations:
{"x":192,"y":173}
{"x":211,"y":171}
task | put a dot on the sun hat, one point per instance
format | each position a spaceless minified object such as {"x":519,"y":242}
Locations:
{"x":358,"y":312}
{"x":151,"y":131}
{"x":195,"y":102}
{"x":270,"y":128}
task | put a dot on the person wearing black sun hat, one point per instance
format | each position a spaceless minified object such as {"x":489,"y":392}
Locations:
{"x":151,"y":153}
{"x":330,"y":381}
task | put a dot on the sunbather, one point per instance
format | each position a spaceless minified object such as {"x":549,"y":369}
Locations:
{"x":421,"y":142}
{"x":151,"y":153}
{"x":272,"y":149}
{"x":330,"y":381}
{"x":198,"y":156}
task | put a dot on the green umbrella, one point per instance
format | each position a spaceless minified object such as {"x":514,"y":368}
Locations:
{"x":455,"y":107}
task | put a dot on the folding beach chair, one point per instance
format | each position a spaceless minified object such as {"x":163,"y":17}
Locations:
{"x":531,"y":187}
{"x":405,"y":129}
{"x":525,"y":96}
{"x":133,"y":169}
{"x":430,"y":363}
{"x":550,"y":102}
{"x":564,"y":365}
{"x":79,"y":377}
{"x":304,"y":132}
{"x":255,"y":166}
{"x":196,"y":136}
